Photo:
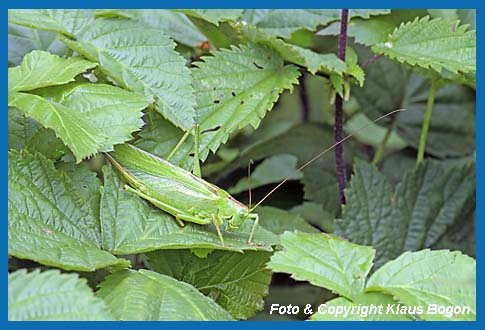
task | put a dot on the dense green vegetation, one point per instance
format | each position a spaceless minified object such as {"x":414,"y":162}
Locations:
{"x":388,"y":218}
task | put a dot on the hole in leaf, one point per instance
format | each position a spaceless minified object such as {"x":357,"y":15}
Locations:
{"x":258,"y":66}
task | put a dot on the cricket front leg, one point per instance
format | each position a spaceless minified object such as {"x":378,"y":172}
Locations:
{"x":180,"y":143}
{"x":197,"y":170}
{"x":253,"y":229}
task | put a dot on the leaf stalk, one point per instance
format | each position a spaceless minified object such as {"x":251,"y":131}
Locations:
{"x":382,"y":147}
{"x":426,"y":120}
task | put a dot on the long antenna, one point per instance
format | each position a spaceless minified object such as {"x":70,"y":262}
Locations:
{"x":249,"y":182}
{"x":322,"y":153}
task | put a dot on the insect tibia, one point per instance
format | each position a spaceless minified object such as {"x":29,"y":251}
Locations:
{"x":197,"y":171}
{"x":255,"y":217}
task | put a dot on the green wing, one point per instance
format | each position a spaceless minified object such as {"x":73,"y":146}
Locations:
{"x":162,"y":179}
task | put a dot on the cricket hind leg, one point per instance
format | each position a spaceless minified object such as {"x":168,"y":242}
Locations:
{"x":169,"y":209}
{"x":180,"y":144}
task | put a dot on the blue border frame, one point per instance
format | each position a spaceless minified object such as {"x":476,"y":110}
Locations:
{"x":442,"y":4}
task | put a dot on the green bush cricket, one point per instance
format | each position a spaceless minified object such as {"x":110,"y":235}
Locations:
{"x":187,"y":196}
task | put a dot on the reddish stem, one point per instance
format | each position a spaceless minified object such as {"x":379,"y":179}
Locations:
{"x":338,"y":129}
{"x":372,"y":60}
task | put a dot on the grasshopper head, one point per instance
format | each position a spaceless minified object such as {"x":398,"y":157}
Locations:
{"x":237,"y":219}
{"x":238,"y":213}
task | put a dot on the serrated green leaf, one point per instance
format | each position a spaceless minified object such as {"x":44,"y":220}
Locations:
{"x":305,"y":57}
{"x":214,"y":16}
{"x":49,"y":221}
{"x":278,"y":221}
{"x":146,"y":295}
{"x":26,"y":133}
{"x":172,"y":23}
{"x":46,"y":142}
{"x":426,"y":278}
{"x":391,"y":86}
{"x":41,"y":69}
{"x":367,"y":217}
{"x":78,"y":133}
{"x":50,"y":295}
{"x":21,"y":129}
{"x":435,"y":196}
{"x":337,"y":82}
{"x":461,"y":236}
{"x":414,"y":215}
{"x":236,"y":88}
{"x":436,"y":44}
{"x":114,"y":112}
{"x":66,"y":21}
{"x":356,"y":310}
{"x":284,"y":118}
{"x":283,"y":22}
{"x":271,"y":170}
{"x":23,"y":40}
{"x":86,"y":182}
{"x":313,"y":61}
{"x":324,"y":260}
{"x":141,"y":59}
{"x":237,"y":282}
{"x":353,"y":68}
{"x":108,"y":113}
{"x":130,"y":225}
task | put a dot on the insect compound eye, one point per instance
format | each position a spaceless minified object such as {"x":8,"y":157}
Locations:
{"x":242,"y":214}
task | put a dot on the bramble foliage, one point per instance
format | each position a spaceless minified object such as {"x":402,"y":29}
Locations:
{"x":414,"y":278}
{"x":261,"y":86}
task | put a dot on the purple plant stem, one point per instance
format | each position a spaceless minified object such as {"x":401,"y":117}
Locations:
{"x":305,"y":107}
{"x":338,"y":129}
